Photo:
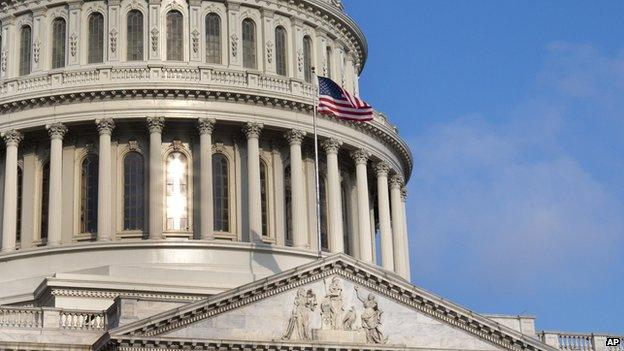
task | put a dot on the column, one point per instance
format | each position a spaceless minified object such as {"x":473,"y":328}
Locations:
{"x":405,"y":239}
{"x":155,"y":126}
{"x":396,"y":182}
{"x":366,"y":246}
{"x":278,"y":193}
{"x":105,"y":127}
{"x":206,"y":126}
{"x":297,"y":186}
{"x":334,"y":198}
{"x":252,"y":131}
{"x":383,"y":204}
{"x":12,"y":138}
{"x":55,"y":200}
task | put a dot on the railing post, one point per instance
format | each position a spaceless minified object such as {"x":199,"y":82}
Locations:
{"x":51,"y":318}
{"x":551,"y":339}
{"x":599,"y":342}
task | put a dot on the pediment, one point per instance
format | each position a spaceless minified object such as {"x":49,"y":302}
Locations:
{"x":333,"y":301}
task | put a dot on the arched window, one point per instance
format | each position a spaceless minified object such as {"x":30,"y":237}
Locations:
{"x":323,"y":213}
{"x":328,"y":58}
{"x":175,"y":36}
{"x":220,"y":193}
{"x":249,"y":44}
{"x":25,"y":50}
{"x":264,"y":188}
{"x":20,"y":186}
{"x":307,"y":59}
{"x":135,"y":36}
{"x":58,"y":42}
{"x":89,"y":194}
{"x":177,"y":192}
{"x":96,"y":38}
{"x":288,"y":203}
{"x":45,"y":191}
{"x":213,"y":38}
{"x":133,"y":191}
{"x":280,"y":50}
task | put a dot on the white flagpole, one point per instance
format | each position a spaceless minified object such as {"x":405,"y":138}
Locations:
{"x":316,"y":170}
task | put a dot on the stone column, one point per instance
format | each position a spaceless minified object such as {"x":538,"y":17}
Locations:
{"x":404,"y":239}
{"x":55,"y":201}
{"x":297,"y":187}
{"x":396,"y":182}
{"x":105,"y":127}
{"x":366,"y":246}
{"x":383,"y":204}
{"x":334,"y":198}
{"x":12,"y":139}
{"x":252,"y":131}
{"x":206,"y":126}
{"x":155,"y":126}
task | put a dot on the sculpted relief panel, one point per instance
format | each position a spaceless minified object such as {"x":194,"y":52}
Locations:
{"x":330,"y":311}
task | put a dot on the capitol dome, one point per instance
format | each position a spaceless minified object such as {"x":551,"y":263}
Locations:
{"x":166,"y":148}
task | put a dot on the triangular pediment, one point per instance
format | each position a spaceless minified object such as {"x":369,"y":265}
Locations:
{"x":332,"y":301}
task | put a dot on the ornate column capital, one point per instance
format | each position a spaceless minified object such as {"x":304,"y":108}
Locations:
{"x":253,"y":130}
{"x":396,"y":182}
{"x":12,"y":137}
{"x":56,"y":130}
{"x":381,"y":168}
{"x":360,"y":156}
{"x":155,"y":124}
{"x":206,"y":125}
{"x":105,"y":125}
{"x":404,"y":193}
{"x":331,"y":145}
{"x":295,"y":136}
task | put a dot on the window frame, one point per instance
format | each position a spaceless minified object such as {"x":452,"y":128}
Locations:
{"x":168,"y":149}
{"x":308,"y":54}
{"x":53,"y":48}
{"x":170,"y":39}
{"x":220,"y":37}
{"x":143,"y":36}
{"x":22,"y":52}
{"x":249,"y":46}
{"x":84,"y":229}
{"x":90,"y":36}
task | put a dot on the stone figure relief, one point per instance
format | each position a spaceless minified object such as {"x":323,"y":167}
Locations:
{"x":113,"y":40}
{"x":332,"y":305}
{"x":299,"y":323}
{"x":371,"y":318}
{"x":234,"y":43}
{"x":73,"y":44}
{"x":154,"y":33}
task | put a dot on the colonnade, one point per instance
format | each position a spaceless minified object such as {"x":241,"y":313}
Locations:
{"x":390,"y":192}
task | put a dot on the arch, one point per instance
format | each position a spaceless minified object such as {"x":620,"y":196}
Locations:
{"x":249,"y":44}
{"x":95,"y":25}
{"x":45,"y":198}
{"x":213,"y":38}
{"x":134,"y":35}
{"x":25,"y":50}
{"x":307,"y":58}
{"x":264,"y":197}
{"x":220,"y":191}
{"x":177,"y":191}
{"x":133,"y":191}
{"x":59,"y":38}
{"x":281,"y":51}
{"x":175,"y":35}
{"x":89,"y":170}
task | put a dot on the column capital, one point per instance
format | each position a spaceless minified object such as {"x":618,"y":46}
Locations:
{"x":206,"y":125}
{"x":295,"y":136}
{"x":155,"y":124}
{"x":331,"y":145}
{"x":56,"y":130}
{"x":396,"y":181}
{"x":105,"y":125}
{"x":381,"y":168}
{"x":12,"y":137}
{"x":360,"y":156}
{"x":253,"y":129}
{"x":404,"y":193}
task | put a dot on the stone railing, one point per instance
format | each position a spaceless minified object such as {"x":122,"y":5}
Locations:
{"x":52,"y":318}
{"x":580,"y":341}
{"x":122,"y":77}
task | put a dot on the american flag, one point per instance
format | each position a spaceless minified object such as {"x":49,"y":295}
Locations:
{"x":335,"y":101}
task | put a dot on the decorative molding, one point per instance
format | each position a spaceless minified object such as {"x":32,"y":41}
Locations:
{"x":73,"y":44}
{"x":36,"y":51}
{"x":12,"y":137}
{"x":195,"y":40}
{"x":206,"y":125}
{"x":300,"y":60}
{"x":113,"y":40}
{"x":381,"y":169}
{"x":133,"y":145}
{"x":56,"y":130}
{"x":295,"y":136}
{"x":396,"y":181}
{"x":177,"y":145}
{"x":154,"y":38}
{"x":331,"y":145}
{"x":105,"y":125}
{"x":253,"y":129}
{"x":234,"y":41}
{"x":269,"y":48}
{"x":404,"y":193}
{"x":218,"y":148}
{"x":360,"y":156}
{"x":155,"y":124}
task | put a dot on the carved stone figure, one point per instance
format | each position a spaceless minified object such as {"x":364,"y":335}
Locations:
{"x":371,"y":318}
{"x":299,"y":323}
{"x":332,"y":306}
{"x":348,"y":321}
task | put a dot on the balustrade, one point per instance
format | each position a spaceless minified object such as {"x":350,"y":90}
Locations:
{"x":21,"y":317}
{"x":33,"y":317}
{"x":580,"y":341}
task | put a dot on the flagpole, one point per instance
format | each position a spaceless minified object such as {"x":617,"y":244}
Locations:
{"x":316,"y":169}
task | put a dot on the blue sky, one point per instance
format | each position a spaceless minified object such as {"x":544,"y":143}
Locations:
{"x":514,"y":111}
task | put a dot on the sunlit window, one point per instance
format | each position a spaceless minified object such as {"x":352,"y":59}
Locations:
{"x":177,"y":192}
{"x":174,"y":35}
{"x":213,"y":38}
{"x":96,"y":38}
{"x":58,"y":42}
{"x":280,"y":50}
{"x":249,"y":44}
{"x":134,"y":27}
